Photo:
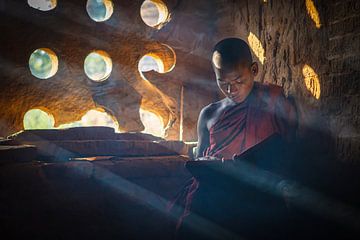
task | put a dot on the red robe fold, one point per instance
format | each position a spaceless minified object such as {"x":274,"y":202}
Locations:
{"x":264,"y":112}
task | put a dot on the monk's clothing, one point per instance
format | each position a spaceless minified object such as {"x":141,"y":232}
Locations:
{"x":265,"y":112}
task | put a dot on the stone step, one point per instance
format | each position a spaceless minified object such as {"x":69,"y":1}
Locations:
{"x":78,"y":133}
{"x":63,"y":150}
{"x":15,"y":154}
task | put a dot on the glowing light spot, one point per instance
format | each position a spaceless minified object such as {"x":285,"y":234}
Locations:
{"x":313,"y":13}
{"x":312,"y":82}
{"x":154,"y":13}
{"x":94,"y":118}
{"x":153,"y":124}
{"x":99,"y":10}
{"x":43,"y":63}
{"x":98,"y":66}
{"x":43,"y":5}
{"x":162,"y":59}
{"x":257,"y":47}
{"x":38,"y":119}
{"x":150,"y":62}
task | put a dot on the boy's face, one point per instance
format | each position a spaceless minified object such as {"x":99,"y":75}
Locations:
{"x":237,"y":82}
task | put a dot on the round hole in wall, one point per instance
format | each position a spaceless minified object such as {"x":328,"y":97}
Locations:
{"x":38,"y":119}
{"x":98,"y":66}
{"x":43,"y":5}
{"x":94,"y":117}
{"x":153,"y":123}
{"x":43,"y":63}
{"x":154,"y":12}
{"x":99,"y":10}
{"x":160,"y":58}
{"x":149,"y":62}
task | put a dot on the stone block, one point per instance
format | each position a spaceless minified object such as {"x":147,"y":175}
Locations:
{"x":15,"y":154}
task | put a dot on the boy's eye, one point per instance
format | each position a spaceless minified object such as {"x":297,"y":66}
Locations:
{"x":238,"y":79}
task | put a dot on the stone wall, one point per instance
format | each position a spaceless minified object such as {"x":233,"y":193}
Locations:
{"x":342,"y":95}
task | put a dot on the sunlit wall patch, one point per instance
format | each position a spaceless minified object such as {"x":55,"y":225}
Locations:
{"x":313,"y":12}
{"x":43,"y":63}
{"x":154,"y":13}
{"x":98,"y":66}
{"x":256,"y":47}
{"x":38,"y":119}
{"x":43,"y":5}
{"x":99,"y":10}
{"x":311,"y":80}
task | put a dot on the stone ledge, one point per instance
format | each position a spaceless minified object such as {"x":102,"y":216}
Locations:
{"x":22,"y":153}
{"x":78,"y":133}
{"x":63,"y":150}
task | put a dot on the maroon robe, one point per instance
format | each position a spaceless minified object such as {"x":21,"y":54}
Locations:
{"x":264,"y":112}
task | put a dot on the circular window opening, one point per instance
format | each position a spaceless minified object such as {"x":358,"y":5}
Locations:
{"x":154,"y":13}
{"x":153,"y":124}
{"x":150,"y":63}
{"x":42,"y":5}
{"x":94,"y":118}
{"x":98,"y":66}
{"x":38,"y":119}
{"x":99,"y":10}
{"x":43,"y":63}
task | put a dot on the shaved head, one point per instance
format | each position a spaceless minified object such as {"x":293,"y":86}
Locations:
{"x":234,"y":68}
{"x":230,"y":52}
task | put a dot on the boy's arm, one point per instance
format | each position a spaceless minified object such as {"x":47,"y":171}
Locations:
{"x":203,"y":134}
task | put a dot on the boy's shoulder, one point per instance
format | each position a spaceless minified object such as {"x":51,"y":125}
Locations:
{"x":272,"y":89}
{"x":212,"y":108}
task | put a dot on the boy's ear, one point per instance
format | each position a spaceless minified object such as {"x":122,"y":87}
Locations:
{"x":254,"y":68}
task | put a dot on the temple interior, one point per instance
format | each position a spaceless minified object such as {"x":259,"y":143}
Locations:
{"x":100,"y":101}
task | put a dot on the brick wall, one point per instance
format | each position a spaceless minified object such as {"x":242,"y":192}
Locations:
{"x":342,"y":101}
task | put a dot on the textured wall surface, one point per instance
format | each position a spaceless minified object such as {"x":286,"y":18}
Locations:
{"x":286,"y":30}
{"x":342,"y":90}
{"x":291,"y":40}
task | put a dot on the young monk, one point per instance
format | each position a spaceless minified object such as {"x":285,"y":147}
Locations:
{"x":249,"y":113}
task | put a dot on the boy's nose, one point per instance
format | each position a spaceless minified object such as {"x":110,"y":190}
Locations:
{"x":231,"y":88}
